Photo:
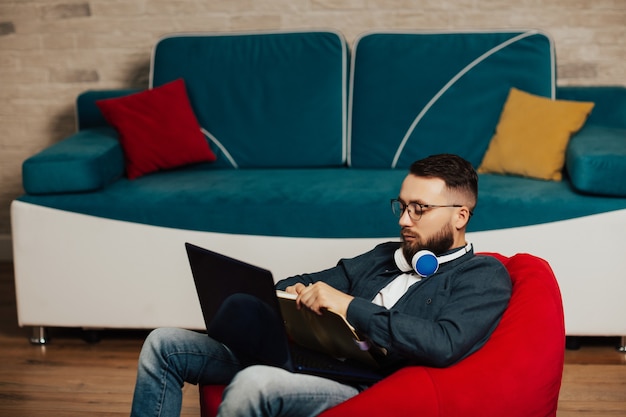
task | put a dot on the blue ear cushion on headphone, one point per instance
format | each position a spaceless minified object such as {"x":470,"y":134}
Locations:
{"x":425,"y":263}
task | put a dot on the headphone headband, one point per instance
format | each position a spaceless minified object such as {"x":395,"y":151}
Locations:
{"x":425,"y":263}
{"x":456,"y":254}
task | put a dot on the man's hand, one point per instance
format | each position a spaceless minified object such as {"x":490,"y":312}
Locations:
{"x":320,"y":296}
{"x":295,"y":289}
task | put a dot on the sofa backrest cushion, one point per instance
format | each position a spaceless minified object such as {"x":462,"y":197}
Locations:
{"x":610,"y":103}
{"x":269,"y":99}
{"x":418,"y":94}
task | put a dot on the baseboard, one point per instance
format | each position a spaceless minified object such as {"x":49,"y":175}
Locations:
{"x":6,"y":248}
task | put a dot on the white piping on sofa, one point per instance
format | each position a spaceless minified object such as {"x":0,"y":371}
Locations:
{"x":222,"y":148}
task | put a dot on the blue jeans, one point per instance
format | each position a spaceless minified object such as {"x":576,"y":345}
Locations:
{"x":270,"y":391}
{"x":171,"y":357}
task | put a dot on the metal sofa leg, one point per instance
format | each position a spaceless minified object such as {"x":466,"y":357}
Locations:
{"x":572,"y":342}
{"x":40,"y":336}
{"x":92,"y":336}
{"x":622,"y":345}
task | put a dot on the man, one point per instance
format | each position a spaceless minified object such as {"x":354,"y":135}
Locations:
{"x":418,"y":308}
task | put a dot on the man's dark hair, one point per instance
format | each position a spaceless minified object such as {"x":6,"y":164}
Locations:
{"x":458,"y":174}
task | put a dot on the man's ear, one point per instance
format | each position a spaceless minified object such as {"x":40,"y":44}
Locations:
{"x":462,"y":217}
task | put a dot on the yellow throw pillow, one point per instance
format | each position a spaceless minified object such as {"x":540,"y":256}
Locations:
{"x":532,"y":136}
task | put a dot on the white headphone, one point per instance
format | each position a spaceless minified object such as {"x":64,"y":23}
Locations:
{"x":425,"y":263}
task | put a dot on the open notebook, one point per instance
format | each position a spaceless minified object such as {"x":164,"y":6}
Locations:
{"x":329,"y":332}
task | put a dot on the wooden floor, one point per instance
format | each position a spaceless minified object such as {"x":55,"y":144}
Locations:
{"x":70,"y":377}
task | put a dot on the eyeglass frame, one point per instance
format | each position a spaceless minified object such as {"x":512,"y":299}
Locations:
{"x":405,"y":206}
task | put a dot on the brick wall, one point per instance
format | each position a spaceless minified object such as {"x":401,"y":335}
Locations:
{"x":52,"y":50}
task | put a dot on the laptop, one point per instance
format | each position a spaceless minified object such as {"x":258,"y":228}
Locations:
{"x":241,"y":309}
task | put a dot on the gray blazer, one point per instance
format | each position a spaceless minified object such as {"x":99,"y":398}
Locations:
{"x":437,"y":322}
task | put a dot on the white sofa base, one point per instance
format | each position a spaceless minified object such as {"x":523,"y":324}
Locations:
{"x":73,"y":270}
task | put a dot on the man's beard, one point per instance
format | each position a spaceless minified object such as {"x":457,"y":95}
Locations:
{"x":441,"y":242}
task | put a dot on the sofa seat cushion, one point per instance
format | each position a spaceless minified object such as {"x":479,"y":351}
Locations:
{"x":316,"y":203}
{"x":596,"y":161}
{"x":509,"y":201}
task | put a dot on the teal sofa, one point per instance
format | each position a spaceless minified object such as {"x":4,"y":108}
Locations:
{"x":312,"y":138}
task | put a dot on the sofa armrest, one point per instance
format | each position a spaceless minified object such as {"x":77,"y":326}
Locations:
{"x":88,"y":114}
{"x":86,"y":161}
{"x":596,"y":160}
{"x":596,"y":156}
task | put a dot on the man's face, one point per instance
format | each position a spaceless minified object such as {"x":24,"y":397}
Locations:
{"x":436,"y":229}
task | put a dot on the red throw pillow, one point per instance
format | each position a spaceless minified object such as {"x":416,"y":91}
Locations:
{"x":158,"y":129}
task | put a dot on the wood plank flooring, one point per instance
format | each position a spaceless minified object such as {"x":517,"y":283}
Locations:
{"x":70,"y":377}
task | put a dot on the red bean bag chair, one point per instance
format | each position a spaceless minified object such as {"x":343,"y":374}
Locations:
{"x":516,"y":374}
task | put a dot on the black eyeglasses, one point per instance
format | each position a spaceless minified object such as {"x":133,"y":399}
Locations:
{"x":415,"y":209}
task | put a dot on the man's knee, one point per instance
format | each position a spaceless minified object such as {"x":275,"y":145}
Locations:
{"x":157,"y":346}
{"x":156,"y":340}
{"x":259,"y":379}
{"x":251,"y":391}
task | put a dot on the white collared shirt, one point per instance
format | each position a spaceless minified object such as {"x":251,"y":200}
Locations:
{"x":391,"y":293}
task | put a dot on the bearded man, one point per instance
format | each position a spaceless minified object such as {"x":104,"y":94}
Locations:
{"x":427,"y":300}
